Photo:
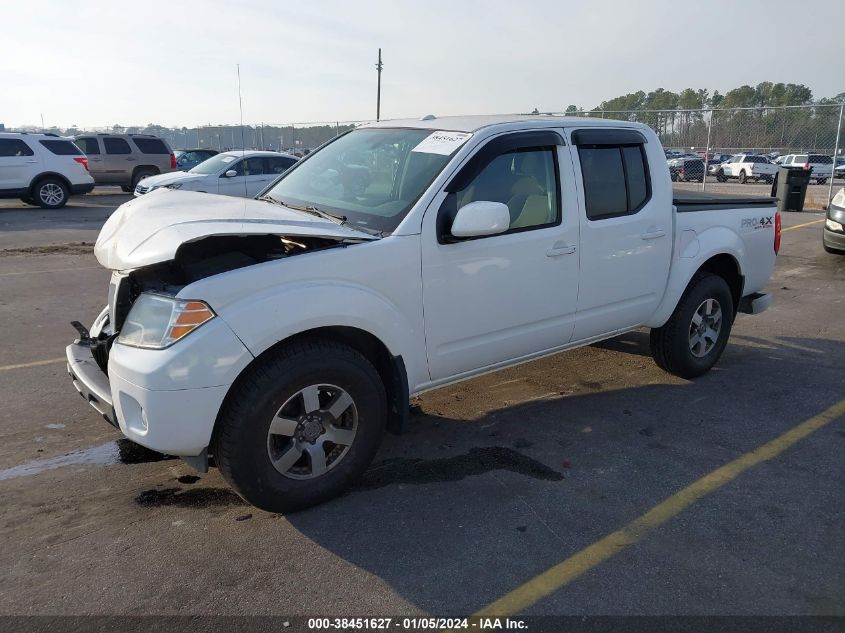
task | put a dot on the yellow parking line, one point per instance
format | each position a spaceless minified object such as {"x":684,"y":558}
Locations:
{"x":580,"y":563}
{"x":801,"y":226}
{"x":37,"y":363}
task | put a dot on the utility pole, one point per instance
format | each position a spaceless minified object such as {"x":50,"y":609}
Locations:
{"x":379,"y":66}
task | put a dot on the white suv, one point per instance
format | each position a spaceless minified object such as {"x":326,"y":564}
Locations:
{"x":42,"y":169}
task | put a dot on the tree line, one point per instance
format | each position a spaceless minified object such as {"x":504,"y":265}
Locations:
{"x":682,"y":119}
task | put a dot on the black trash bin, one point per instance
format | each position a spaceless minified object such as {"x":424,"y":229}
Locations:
{"x":790,"y":188}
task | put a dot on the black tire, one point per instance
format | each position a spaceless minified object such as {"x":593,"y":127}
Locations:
{"x":50,"y":193}
{"x":140,"y":175}
{"x":241,"y":446}
{"x":720,"y":176}
{"x":29,"y":200}
{"x":832,"y":251}
{"x":742,"y":177}
{"x":670,"y":344}
{"x":126,"y":189}
{"x":821,"y":181}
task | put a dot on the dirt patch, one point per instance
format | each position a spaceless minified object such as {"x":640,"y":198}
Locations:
{"x":71,"y":248}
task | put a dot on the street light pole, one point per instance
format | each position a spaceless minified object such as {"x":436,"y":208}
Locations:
{"x":379,"y":66}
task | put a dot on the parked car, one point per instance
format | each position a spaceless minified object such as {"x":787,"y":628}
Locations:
{"x":125,"y":159}
{"x":821,"y":165}
{"x":234,"y":173}
{"x":187,"y":159}
{"x":839,"y":168}
{"x":283,"y":334}
{"x":684,"y":169}
{"x":745,"y":167}
{"x":42,"y":169}
{"x":833,"y":236}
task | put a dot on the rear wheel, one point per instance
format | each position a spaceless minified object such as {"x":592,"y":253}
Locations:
{"x":720,"y":176}
{"x":139,"y":176}
{"x":50,"y":193}
{"x":301,"y":426}
{"x":126,"y":189}
{"x":742,"y":177}
{"x":695,"y":336}
{"x":29,"y":200}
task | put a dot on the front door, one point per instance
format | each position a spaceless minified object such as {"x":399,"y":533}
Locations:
{"x":90,"y":146}
{"x":493,"y":299}
{"x":18,"y":164}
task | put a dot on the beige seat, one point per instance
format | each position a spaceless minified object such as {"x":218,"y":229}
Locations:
{"x":535,"y":211}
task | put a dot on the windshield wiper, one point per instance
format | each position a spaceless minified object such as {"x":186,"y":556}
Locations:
{"x":332,"y":217}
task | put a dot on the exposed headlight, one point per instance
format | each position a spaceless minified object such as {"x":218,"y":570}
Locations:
{"x":833,"y":225}
{"x":175,"y":185}
{"x":158,"y":321}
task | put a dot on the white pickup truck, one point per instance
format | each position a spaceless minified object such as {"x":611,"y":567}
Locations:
{"x":283,"y":334}
{"x":745,"y":167}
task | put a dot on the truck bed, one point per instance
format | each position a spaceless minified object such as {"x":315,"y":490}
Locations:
{"x":688,"y":201}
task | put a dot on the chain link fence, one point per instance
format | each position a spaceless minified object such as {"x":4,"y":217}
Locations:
{"x":772,"y":132}
{"x":711,"y":133}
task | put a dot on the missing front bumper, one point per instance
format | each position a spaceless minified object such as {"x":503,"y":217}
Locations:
{"x":90,"y":381}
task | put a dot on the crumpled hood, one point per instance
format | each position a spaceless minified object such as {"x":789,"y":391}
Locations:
{"x":162,"y":180}
{"x":151,"y":228}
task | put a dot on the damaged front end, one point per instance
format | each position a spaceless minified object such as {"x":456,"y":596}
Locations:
{"x":193,"y":261}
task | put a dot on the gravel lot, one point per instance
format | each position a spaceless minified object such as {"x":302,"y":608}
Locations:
{"x":497,"y":480}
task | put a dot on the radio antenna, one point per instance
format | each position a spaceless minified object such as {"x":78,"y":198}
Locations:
{"x":243,"y":143}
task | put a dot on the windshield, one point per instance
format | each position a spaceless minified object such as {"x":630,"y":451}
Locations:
{"x":371,"y":176}
{"x":213,"y":165}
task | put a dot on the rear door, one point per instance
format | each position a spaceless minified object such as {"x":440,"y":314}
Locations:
{"x":19,"y":164}
{"x":626,"y":229}
{"x":118,"y":160}
{"x":93,"y":150}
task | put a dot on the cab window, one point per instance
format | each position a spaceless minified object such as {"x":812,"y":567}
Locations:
{"x":525,"y":180}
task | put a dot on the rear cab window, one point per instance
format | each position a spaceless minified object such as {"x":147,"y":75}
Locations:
{"x":614,"y":170}
{"x":820,"y":159}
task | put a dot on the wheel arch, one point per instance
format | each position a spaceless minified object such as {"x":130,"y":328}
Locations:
{"x":155,"y":170}
{"x":48,"y":174}
{"x":722,"y":262}
{"x":390,"y":368}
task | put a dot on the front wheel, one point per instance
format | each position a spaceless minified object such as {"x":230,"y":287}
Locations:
{"x":301,"y":425}
{"x":694,"y":337}
{"x":720,"y":176}
{"x":742,"y":178}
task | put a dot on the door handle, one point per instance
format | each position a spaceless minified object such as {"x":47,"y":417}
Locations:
{"x":653,"y":233}
{"x":130,"y":158}
{"x":560,"y":248}
{"x":32,"y":161}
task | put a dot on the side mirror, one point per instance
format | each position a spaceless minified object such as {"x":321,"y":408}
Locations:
{"x":481,"y":218}
{"x":231,"y":173}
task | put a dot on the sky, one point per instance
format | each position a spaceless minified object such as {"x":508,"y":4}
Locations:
{"x":99,"y":63}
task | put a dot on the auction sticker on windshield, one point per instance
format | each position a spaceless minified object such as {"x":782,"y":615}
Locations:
{"x":442,"y":142}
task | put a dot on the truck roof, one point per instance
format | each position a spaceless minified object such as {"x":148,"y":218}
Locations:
{"x":474,"y":123}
